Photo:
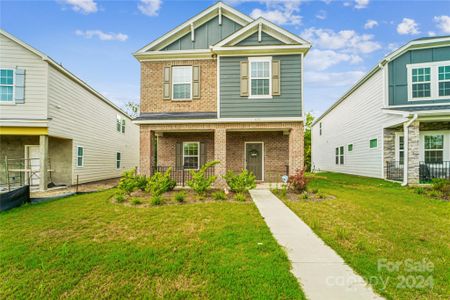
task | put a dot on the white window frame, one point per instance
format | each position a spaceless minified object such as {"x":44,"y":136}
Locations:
{"x":198,"y":155}
{"x":374,"y":138}
{"x":259,"y":59}
{"x":173,"y":83}
{"x":339,"y":156}
{"x":434,"y":80}
{"x":398,"y":135}
{"x":119,"y":160}
{"x":320,"y":128}
{"x":444,"y":137}
{"x":443,"y":80}
{"x":13,"y":101}
{"x":82,"y":157}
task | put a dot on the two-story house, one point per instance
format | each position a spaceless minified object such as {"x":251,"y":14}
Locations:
{"x":395,"y":122}
{"x":223,"y":86}
{"x":54,"y":128}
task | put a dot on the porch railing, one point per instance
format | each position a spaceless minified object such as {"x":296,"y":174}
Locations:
{"x":428,"y":171}
{"x":394,"y":170}
{"x":180,"y":174}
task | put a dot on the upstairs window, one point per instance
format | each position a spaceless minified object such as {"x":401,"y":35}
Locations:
{"x":320,"y":128}
{"x":6,"y":86}
{"x":118,"y":160}
{"x":120,"y":124}
{"x":421,"y":82}
{"x":260,"y":77}
{"x":350,"y":147}
{"x":182,"y":83}
{"x":123,"y":125}
{"x":80,"y":156}
{"x":373,"y":143}
{"x":444,"y":80}
{"x":434,"y":149}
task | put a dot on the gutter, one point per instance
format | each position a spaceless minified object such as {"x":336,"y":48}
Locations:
{"x":406,"y":148}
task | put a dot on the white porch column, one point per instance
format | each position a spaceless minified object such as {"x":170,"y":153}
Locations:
{"x":43,"y":158}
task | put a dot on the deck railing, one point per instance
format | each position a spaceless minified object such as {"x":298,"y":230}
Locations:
{"x":394,"y":170}
{"x":429,"y":171}
{"x":180,"y":174}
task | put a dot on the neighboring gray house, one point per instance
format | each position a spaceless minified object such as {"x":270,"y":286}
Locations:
{"x":223,"y":86}
{"x":54,"y":127}
{"x":395,"y":122}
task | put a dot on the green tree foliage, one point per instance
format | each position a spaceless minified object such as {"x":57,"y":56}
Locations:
{"x":307,"y":141}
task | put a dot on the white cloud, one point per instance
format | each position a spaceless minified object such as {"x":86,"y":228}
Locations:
{"x":370,"y":24}
{"x":392,"y":46}
{"x":408,"y":26}
{"x":83,"y":6}
{"x":321,"y":15}
{"x":431,"y":33}
{"x":149,"y":7}
{"x":319,"y":60}
{"x":346,"y":40}
{"x":359,"y":4}
{"x":280,"y":12}
{"x":443,"y":23}
{"x":332,"y":79}
{"x":103,"y":36}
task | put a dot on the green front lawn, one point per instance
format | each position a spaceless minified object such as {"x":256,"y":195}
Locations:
{"x":86,"y":246}
{"x":370,"y":221}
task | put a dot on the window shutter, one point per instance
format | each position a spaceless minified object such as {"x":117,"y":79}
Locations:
{"x":203,"y":153}
{"x":167,"y":78}
{"x":20,"y":86}
{"x":179,"y":156}
{"x":196,"y":82}
{"x":244,"y":78}
{"x":276,"y":78}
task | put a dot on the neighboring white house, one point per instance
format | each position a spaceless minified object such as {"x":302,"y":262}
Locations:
{"x":54,"y":128}
{"x":395,"y":122}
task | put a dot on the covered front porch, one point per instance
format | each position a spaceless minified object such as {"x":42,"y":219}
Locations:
{"x":417,"y":151}
{"x":269,"y":151}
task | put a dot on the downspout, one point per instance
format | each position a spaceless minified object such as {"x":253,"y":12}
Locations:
{"x":406,"y":148}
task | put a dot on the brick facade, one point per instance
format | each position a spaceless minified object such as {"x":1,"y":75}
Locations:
{"x":152,"y":87}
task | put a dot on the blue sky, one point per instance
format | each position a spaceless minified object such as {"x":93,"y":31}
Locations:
{"x":95,"y":39}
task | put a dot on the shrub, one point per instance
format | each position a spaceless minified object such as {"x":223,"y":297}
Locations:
{"x":442,"y":186}
{"x":304,"y":196}
{"x":297,"y":182}
{"x":120,"y":198}
{"x":242,"y":182}
{"x":127,"y":183}
{"x":321,"y":195}
{"x":156,"y":200}
{"x":160,"y":183}
{"x":219,"y":195}
{"x":239,"y":197}
{"x":136,"y":201}
{"x":283,"y":191}
{"x":419,"y":190}
{"x":200,"y":183}
{"x":141,"y":182}
{"x":180,"y":197}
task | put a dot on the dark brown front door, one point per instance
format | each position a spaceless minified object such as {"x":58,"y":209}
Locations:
{"x":254,"y":159}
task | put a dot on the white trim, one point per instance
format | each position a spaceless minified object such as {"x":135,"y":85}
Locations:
{"x":13,"y":100}
{"x":385,"y":85}
{"x":173,"y":84}
{"x":253,"y":48}
{"x":397,"y":146}
{"x":411,"y":44}
{"x":262,"y":160}
{"x":301,"y":84}
{"x":218,"y":85}
{"x":82,"y":157}
{"x":259,"y":32}
{"x":371,"y":139}
{"x":445,"y":147}
{"x":221,"y":120}
{"x":434,"y":80}
{"x":262,"y":59}
{"x":198,"y":154}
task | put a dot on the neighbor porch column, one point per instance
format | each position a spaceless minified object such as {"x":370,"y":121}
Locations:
{"x":296,"y":146}
{"x":413,"y":153}
{"x":147,"y":140}
{"x":43,"y":162}
{"x":220,"y":154}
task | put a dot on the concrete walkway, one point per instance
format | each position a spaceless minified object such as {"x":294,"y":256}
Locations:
{"x":321,"y":272}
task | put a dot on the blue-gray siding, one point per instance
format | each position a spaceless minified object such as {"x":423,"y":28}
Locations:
{"x":206,"y":35}
{"x":398,"y":84}
{"x":288,"y":104}
{"x":266,"y":39}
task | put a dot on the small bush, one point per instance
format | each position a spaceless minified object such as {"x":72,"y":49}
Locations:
{"x":219,"y":195}
{"x":321,"y":195}
{"x":180,"y":197}
{"x":442,"y":186}
{"x":314,"y":190}
{"x":127,"y":183}
{"x":156,"y":200}
{"x":297,"y":182}
{"x":200,"y":183}
{"x":304,"y":196}
{"x":136,"y":201}
{"x":141,"y":182}
{"x":242,"y":182}
{"x":240,"y":197}
{"x":160,"y":183}
{"x":419,"y":190}
{"x":283,"y":191}
{"x":120,"y":198}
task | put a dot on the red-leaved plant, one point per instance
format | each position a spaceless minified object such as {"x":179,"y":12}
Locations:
{"x":297,"y":182}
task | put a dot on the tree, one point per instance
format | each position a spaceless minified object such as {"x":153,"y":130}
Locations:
{"x":307,"y":141}
{"x":132,"y":108}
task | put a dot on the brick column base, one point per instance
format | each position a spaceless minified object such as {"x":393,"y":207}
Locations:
{"x":220,"y":154}
{"x":147,"y":137}
{"x":296,"y":147}
{"x":413,"y":153}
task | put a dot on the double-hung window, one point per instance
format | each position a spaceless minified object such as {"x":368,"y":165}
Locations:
{"x":260,"y":77}
{"x":80,"y":156}
{"x":434,"y":149}
{"x":340,"y":155}
{"x":182,"y":83}
{"x":421,"y":82}
{"x":118,"y":159}
{"x":401,"y":149}
{"x":191,"y":155}
{"x":444,"y":80}
{"x":6,"y":86}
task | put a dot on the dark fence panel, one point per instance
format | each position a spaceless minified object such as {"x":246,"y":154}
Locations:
{"x":394,"y":171}
{"x":180,"y":175}
{"x":14,"y":198}
{"x":428,"y":171}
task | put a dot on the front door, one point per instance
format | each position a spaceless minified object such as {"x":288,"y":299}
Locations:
{"x":254,"y":159}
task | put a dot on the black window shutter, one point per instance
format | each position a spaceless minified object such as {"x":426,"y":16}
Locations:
{"x":179,"y":156}
{"x":203,"y":153}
